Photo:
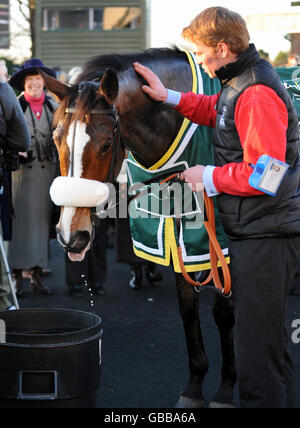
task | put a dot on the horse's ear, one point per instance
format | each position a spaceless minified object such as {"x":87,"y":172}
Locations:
{"x":61,"y":90}
{"x":109,"y":86}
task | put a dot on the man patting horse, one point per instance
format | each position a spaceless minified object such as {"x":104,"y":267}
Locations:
{"x":252,"y":116}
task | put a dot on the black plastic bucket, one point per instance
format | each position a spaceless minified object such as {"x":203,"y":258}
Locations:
{"x":51,"y":358}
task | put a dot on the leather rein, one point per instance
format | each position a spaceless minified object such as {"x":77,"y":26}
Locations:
{"x":217,"y":257}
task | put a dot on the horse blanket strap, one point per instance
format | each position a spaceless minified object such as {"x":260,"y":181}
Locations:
{"x":155,"y":235}
{"x":216,"y":256}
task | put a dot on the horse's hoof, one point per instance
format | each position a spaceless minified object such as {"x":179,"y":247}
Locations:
{"x":189,"y":403}
{"x":215,"y":405}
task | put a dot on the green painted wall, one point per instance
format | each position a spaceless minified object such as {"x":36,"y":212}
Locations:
{"x":72,"y":48}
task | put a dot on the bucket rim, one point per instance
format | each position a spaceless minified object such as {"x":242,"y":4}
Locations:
{"x":53,"y":345}
{"x":97,"y":323}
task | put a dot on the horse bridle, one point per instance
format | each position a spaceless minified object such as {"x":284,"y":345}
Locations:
{"x":116,"y":147}
{"x":116,"y":141}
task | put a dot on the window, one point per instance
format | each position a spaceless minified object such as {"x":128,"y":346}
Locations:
{"x":65,"y":19}
{"x":117,"y":18}
{"x":106,"y":18}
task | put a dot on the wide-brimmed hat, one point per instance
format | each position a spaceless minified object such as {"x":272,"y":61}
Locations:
{"x":29,"y":67}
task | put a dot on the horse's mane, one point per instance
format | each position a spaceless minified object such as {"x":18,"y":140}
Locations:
{"x":95,"y":67}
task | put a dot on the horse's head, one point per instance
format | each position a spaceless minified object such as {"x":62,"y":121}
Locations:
{"x":87,"y":137}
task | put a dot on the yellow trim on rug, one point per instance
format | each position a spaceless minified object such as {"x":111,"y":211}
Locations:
{"x":158,"y":260}
{"x":166,"y":262}
{"x":173,"y":147}
{"x":199,"y":268}
{"x":185,"y":123}
{"x":171,"y":248}
{"x":153,"y":259}
{"x":194,"y":72}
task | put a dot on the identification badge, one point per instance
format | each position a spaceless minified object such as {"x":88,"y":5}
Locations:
{"x":268,"y":175}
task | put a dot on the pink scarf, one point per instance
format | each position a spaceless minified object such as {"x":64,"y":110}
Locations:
{"x":36,"y":104}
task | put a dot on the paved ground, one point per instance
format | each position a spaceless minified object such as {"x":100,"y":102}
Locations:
{"x":144,"y":357}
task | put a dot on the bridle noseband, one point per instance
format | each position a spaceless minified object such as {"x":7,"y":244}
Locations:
{"x":116,"y":146}
{"x":117,"y":142}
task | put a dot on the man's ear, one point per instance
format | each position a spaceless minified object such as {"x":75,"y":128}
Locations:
{"x":223,"y":49}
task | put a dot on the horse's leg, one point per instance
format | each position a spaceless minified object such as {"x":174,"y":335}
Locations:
{"x":192,"y":396}
{"x":224,"y":318}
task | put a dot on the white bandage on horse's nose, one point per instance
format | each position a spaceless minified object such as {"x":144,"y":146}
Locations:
{"x":78,"y":192}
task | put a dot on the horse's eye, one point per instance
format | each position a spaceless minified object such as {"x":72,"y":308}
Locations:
{"x":106,"y":146}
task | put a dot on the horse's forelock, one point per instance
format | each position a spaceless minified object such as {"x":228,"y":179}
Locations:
{"x":88,"y":97}
{"x":83,"y":101}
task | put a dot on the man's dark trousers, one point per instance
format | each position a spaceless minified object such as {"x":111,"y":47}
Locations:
{"x":263,"y":271}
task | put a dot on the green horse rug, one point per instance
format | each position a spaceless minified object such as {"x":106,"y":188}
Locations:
{"x":153,"y":224}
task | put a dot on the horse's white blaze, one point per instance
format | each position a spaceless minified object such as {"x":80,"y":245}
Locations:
{"x":81,"y":139}
{"x":66,"y":222}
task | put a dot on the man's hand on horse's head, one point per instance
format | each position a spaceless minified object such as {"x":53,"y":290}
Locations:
{"x":156,"y":89}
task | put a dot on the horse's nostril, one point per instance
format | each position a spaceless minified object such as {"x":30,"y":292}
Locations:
{"x":79,"y":241}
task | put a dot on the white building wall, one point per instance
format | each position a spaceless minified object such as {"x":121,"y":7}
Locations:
{"x":169,"y":17}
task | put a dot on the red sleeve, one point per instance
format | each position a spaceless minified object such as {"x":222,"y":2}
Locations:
{"x":261,"y":120}
{"x":200,"y":109}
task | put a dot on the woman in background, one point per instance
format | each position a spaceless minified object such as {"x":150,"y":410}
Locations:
{"x":28,"y":249}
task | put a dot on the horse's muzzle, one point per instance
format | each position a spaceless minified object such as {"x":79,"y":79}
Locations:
{"x":78,"y":242}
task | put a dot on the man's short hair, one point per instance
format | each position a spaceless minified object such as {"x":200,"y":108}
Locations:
{"x":216,"y":25}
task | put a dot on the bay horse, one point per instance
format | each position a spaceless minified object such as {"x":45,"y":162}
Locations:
{"x":103,"y":113}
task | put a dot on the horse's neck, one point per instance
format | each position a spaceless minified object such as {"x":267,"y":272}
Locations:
{"x":149,"y":128}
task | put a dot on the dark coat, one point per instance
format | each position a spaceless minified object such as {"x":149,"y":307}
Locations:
{"x":31,"y":199}
{"x":257,"y":216}
{"x":12,"y":121}
{"x":14,"y":136}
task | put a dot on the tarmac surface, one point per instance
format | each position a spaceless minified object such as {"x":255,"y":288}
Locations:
{"x":144,"y":358}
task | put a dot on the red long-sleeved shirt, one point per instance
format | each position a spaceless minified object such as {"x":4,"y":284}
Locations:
{"x":261,"y":120}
